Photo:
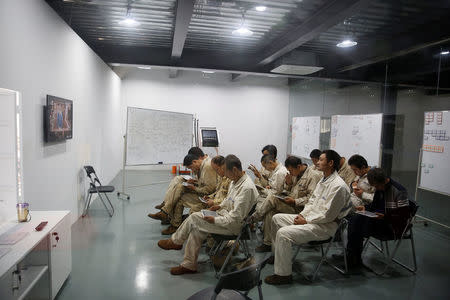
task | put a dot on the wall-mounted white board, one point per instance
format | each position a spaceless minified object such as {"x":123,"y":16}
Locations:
{"x":305,"y":135}
{"x":357,"y":134}
{"x":11,"y":174}
{"x":435,"y":162}
{"x":157,"y":137}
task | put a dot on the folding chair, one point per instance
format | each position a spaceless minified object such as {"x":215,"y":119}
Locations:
{"x":221,"y":240}
{"x":235,"y":285}
{"x":407,"y":234}
{"x":337,"y":237}
{"x":95,"y":187}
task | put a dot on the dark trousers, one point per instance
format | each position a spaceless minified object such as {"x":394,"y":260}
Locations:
{"x":360,"y":227}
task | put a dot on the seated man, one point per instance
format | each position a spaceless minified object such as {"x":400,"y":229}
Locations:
{"x":179,"y":179}
{"x":300,"y":182}
{"x":314,"y":155}
{"x":229,"y":220}
{"x":346,"y":172}
{"x":263,"y":174}
{"x":361,"y":191}
{"x":218,"y":164}
{"x":329,"y":203}
{"x":390,"y":203}
{"x":188,"y":196}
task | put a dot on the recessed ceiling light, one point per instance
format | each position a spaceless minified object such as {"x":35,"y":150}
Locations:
{"x":261,"y":8}
{"x":145,"y":67}
{"x":208,"y":72}
{"x":242,"y":31}
{"x":129,"y":22}
{"x":347,"y":43}
{"x":446,"y":52}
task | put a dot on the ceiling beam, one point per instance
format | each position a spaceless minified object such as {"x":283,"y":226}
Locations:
{"x":183,"y":16}
{"x":329,"y":15}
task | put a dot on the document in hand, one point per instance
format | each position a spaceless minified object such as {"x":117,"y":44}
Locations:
{"x":280,"y":197}
{"x":210,"y":213}
{"x":187,"y":177}
{"x":202,"y":199}
{"x":367,"y":213}
{"x":185,"y":184}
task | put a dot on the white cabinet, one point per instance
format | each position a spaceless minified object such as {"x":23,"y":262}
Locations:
{"x":60,"y":255}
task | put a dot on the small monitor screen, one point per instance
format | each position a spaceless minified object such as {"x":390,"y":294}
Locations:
{"x":209,"y":138}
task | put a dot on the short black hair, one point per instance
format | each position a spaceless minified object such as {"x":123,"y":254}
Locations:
{"x":292,"y":161}
{"x":218,"y":160}
{"x":357,"y":161}
{"x":232,"y":161}
{"x":188,"y":159}
{"x":334,"y":156}
{"x":271,"y":149}
{"x":266,"y":158}
{"x":315,"y":153}
{"x":196,"y":151}
{"x":376,"y":175}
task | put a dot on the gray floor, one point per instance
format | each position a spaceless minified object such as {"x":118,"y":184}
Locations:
{"x":118,"y":258}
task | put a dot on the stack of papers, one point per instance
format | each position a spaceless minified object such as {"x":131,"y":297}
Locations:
{"x":187,"y":177}
{"x":280,"y":197}
{"x":210,"y":213}
{"x":367,"y":213}
{"x":202,"y":199}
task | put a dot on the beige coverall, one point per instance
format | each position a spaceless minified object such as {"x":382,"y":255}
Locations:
{"x":368,"y":192}
{"x":234,"y":209}
{"x":301,"y":191}
{"x":329,"y":203}
{"x":276,"y":183}
{"x":221,"y":190}
{"x":181,"y":197}
{"x":347,"y":173}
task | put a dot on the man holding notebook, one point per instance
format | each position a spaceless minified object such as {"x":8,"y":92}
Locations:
{"x":228,"y":220}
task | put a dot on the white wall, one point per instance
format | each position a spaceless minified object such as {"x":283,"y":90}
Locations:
{"x":40,"y":55}
{"x":248,"y":114}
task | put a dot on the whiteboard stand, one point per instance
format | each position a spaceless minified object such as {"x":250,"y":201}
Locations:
{"x":122,"y":193}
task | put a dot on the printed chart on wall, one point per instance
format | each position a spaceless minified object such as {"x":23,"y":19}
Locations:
{"x":305,"y":135}
{"x":157,"y":137}
{"x":435,"y":164}
{"x":357,"y":134}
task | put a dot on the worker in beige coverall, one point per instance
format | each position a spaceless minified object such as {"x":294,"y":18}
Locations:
{"x":263,"y":173}
{"x":319,"y":219}
{"x":188,"y":196}
{"x":300,"y":190}
{"x":361,"y":191}
{"x":229,"y":220}
{"x":346,"y":172}
{"x":223,"y":183}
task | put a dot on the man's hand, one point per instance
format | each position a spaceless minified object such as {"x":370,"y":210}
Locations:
{"x":289,"y":200}
{"x":254,"y":170}
{"x":192,"y":181}
{"x":299,"y":220}
{"x":288,"y":179}
{"x":379,"y":215}
{"x":210,"y":203}
{"x":214,"y":207}
{"x":191,"y":187}
{"x":209,"y":219}
{"x":358,"y":192}
{"x":360,"y":208}
{"x":268,"y":187}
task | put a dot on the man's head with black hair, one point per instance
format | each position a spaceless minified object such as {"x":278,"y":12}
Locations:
{"x":270,"y":149}
{"x":314,"y":155}
{"x":233,"y":167}
{"x":196,"y":151}
{"x":269,"y":162}
{"x":329,"y":161}
{"x":358,"y":164}
{"x":193,"y":162}
{"x":294,"y":165}
{"x":218,"y":164}
{"x":377,"y":178}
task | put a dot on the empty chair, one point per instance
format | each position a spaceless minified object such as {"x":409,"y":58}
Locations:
{"x":95,"y":187}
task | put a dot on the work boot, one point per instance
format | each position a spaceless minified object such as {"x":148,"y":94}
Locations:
{"x":159,"y":206}
{"x":159,"y":216}
{"x":277,"y":279}
{"x":180,"y":270}
{"x":169,"y":245}
{"x":263,"y":248}
{"x":169,"y":230}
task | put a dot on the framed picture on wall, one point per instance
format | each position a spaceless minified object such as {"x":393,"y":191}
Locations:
{"x":210,"y":138}
{"x":58,"y":119}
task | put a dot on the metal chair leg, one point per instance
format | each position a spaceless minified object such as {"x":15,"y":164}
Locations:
{"x":227,"y":259}
{"x":86,"y":205}
{"x":296,"y":253}
{"x":104,"y":204}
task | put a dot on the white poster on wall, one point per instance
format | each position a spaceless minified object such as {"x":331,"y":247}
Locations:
{"x":305,"y":135}
{"x":357,"y":134}
{"x":435,"y":165}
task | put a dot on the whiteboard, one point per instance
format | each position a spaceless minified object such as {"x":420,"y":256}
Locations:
{"x":157,"y":137}
{"x":305,"y":135}
{"x":11,"y":166}
{"x":435,"y":163}
{"x":357,"y":134}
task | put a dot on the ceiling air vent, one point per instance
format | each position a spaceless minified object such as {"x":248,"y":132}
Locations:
{"x":297,"y":63}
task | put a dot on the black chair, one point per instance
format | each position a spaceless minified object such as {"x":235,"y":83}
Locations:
{"x":241,"y":239}
{"x":235,"y":285}
{"x":324,"y":259}
{"x":95,"y":187}
{"x":384,"y":239}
